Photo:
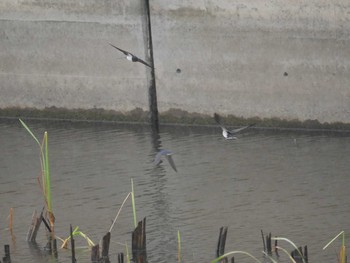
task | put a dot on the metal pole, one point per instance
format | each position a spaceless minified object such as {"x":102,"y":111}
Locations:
{"x":152,"y":92}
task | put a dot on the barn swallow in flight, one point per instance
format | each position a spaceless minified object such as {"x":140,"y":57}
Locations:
{"x":167,"y":154}
{"x":131,"y":57}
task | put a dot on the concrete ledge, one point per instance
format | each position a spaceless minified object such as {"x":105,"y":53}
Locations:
{"x":170,"y":117}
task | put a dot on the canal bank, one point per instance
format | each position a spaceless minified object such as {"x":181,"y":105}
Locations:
{"x":282,"y":60}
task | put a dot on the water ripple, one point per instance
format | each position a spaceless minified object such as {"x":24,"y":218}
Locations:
{"x":291,"y":183}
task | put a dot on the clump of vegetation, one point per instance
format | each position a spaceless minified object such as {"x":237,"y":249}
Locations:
{"x":76,"y":232}
{"x":342,"y":250}
{"x":45,"y":181}
{"x":222,"y":257}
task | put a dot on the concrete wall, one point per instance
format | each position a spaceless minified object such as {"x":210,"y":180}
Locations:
{"x":287,"y":58}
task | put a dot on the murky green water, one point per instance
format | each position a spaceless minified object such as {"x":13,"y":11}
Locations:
{"x":293,"y":184}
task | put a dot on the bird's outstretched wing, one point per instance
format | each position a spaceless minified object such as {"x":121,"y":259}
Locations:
{"x":167,"y":154}
{"x":217,"y":118}
{"x":157,"y":158}
{"x":171,"y":161}
{"x":121,"y":50}
{"x":231,"y":132}
{"x":143,"y":62}
{"x":241,"y":128}
{"x":135,"y":58}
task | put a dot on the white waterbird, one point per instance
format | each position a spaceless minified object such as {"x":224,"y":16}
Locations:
{"x":229,"y":134}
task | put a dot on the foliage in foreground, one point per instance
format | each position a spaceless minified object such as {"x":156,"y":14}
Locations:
{"x":45,"y":182}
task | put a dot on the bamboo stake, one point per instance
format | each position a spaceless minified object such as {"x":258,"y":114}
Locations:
{"x":139,"y":242}
{"x":105,"y":247}
{"x":220,"y":250}
{"x":95,"y":254}
{"x":72,"y":244}
{"x":7,"y":258}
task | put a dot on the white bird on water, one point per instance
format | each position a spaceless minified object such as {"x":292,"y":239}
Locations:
{"x":229,"y":134}
{"x":167,"y":154}
{"x":131,"y":57}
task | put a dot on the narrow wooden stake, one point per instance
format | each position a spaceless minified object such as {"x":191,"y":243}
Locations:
{"x":72,"y":243}
{"x":37,"y":226}
{"x":7,"y":258}
{"x":306,"y":255}
{"x":95,"y":254}
{"x":220,"y":250}
{"x":269,"y":244}
{"x":263,"y":239}
{"x":34,"y":228}
{"x":46,"y":224}
{"x":120,"y":258}
{"x":105,"y":247}
{"x":31,"y":228}
{"x":218,"y":245}
{"x":48,"y":246}
{"x":296,"y":256}
{"x":223,"y":241}
{"x":138,"y":244}
{"x":54,"y":248}
{"x":276,"y":250}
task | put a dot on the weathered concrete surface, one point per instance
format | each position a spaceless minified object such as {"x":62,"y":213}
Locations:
{"x":57,"y":54}
{"x":287,"y":59}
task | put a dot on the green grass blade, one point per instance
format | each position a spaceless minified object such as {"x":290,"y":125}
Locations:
{"x":235,"y":252}
{"x":30,"y":132}
{"x":45,"y":167}
{"x":76,"y":232}
{"x":127,"y":254}
{"x":43,"y":159}
{"x":179,"y":246}
{"x":88,"y":240}
{"x":47,"y":173}
{"x":133,"y":202}
{"x":342,"y":252}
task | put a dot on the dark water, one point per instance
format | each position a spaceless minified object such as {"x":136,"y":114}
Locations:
{"x":293,"y":184}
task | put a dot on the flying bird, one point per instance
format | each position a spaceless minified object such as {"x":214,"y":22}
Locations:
{"x":167,"y":154}
{"x":131,"y":57}
{"x":229,"y":134}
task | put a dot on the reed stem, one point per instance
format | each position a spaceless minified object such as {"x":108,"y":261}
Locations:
{"x":133,"y":202}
